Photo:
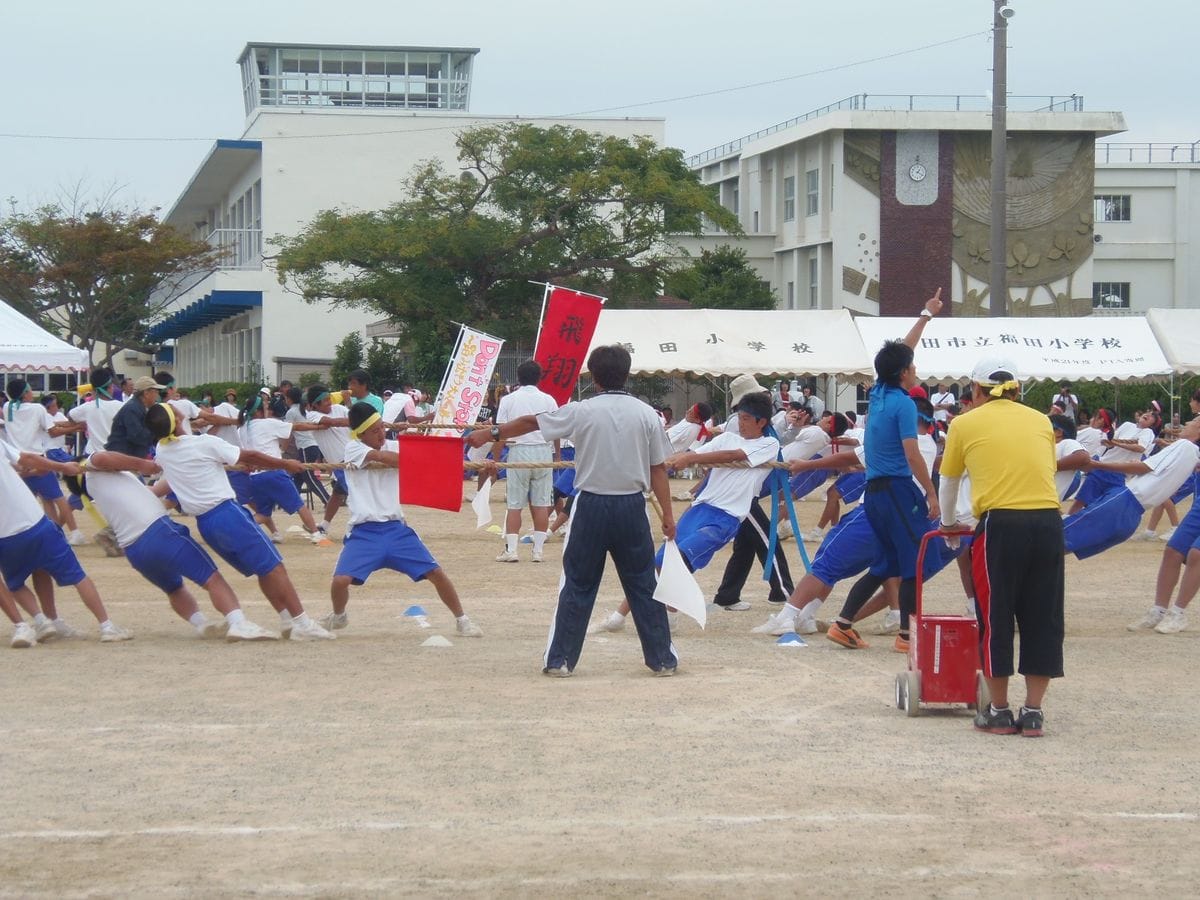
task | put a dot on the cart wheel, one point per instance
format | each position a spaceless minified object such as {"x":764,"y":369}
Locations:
{"x":913,"y":691}
{"x":901,"y":691}
{"x":982,"y":695}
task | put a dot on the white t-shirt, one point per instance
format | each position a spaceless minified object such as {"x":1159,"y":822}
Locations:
{"x":126,"y":503}
{"x":59,"y":441}
{"x":303,"y":439}
{"x":332,"y":441}
{"x":396,"y":404}
{"x":264,"y":435}
{"x":1129,"y":432}
{"x":1090,"y":439}
{"x":733,"y":490}
{"x":1063,"y":480}
{"x":941,"y":415}
{"x":28,"y":426}
{"x":227,"y":433}
{"x":185,"y":411}
{"x":1168,"y":470}
{"x":682,"y":435}
{"x":19,"y":509}
{"x":374,"y":494}
{"x":98,"y":417}
{"x":927,"y":444}
{"x":194,"y":466}
{"x":527,"y":400}
{"x":810,"y":441}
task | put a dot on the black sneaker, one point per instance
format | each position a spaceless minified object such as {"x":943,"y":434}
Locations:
{"x":995,"y":721}
{"x":1029,"y":722}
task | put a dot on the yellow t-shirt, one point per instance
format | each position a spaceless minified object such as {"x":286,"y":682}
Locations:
{"x":1009,"y":451}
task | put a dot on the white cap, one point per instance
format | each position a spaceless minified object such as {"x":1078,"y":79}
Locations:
{"x":743,"y":385}
{"x":994,"y":370}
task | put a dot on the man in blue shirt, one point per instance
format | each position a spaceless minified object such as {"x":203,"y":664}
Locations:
{"x":896,"y":472}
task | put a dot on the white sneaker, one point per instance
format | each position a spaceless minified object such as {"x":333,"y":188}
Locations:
{"x":1167,"y":535}
{"x":466,"y":628}
{"x":276,"y":537}
{"x":246,"y":630}
{"x":774,"y":626}
{"x":76,"y":538}
{"x":537,"y":555}
{"x":508,"y":556}
{"x":683,"y":496}
{"x":66,"y":632}
{"x":805,"y":624}
{"x":318,"y":537}
{"x":213,"y":631}
{"x":1150,"y":620}
{"x":890,"y":623}
{"x":814,"y":537}
{"x":295,"y":529}
{"x":1173,"y":621}
{"x":335,"y":621}
{"x":1147,"y":535}
{"x":115,"y":633}
{"x":45,"y":632}
{"x":310,"y":632}
{"x":740,"y":606}
{"x":23,"y":636}
{"x":785,"y":530}
{"x":613,"y":623}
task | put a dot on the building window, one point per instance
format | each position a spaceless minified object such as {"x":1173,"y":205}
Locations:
{"x":791,"y":295}
{"x":812,"y":188}
{"x":755,"y":222}
{"x":1110,"y":295}
{"x":813,"y":285}
{"x":1112,"y":208}
{"x":736,"y":200}
{"x":789,"y":198}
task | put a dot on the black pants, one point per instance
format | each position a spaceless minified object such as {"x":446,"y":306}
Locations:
{"x":308,"y":477}
{"x":753,"y":538}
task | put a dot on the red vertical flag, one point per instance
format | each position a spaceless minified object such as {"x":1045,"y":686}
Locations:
{"x":431,"y":471}
{"x":563,"y":342}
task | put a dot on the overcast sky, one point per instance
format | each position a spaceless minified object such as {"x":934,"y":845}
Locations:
{"x":166,"y":70}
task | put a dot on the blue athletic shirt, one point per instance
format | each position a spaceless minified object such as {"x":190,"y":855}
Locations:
{"x":891,"y":419}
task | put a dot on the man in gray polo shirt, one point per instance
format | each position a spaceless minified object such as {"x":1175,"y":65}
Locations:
{"x":620,"y":453}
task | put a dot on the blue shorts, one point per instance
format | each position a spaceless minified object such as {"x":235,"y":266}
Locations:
{"x":701,"y":532}
{"x":45,"y":486}
{"x":272,"y":489}
{"x":40,"y":547}
{"x":57,"y":454}
{"x":1187,"y":532}
{"x":240,"y":482}
{"x":851,"y":486}
{"x":371,"y":546}
{"x":899,"y":516}
{"x":166,"y":553}
{"x":229,"y":530}
{"x":805,"y":483}
{"x":1103,"y":524}
{"x":1191,"y":486}
{"x":1098,"y":483}
{"x":339,"y":482}
{"x":847,"y":550}
{"x":564,"y":479}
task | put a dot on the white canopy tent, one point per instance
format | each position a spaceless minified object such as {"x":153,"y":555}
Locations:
{"x":24,"y":347}
{"x":1178,"y":333}
{"x":1089,"y":348}
{"x":730,"y":342}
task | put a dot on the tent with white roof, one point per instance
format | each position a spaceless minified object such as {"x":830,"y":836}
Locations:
{"x":24,"y":347}
{"x":1178,"y":333}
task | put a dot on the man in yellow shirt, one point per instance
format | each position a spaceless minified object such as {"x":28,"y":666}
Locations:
{"x":1017,"y":553}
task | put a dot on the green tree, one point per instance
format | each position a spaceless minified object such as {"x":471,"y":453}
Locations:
{"x":556,"y":204}
{"x":99,"y":275}
{"x":721,"y":278}
{"x":347,"y":357}
{"x":386,"y":364}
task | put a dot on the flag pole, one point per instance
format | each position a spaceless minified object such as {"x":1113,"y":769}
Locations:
{"x":546,"y":288}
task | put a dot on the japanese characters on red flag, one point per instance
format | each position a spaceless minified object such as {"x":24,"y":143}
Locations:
{"x":564,"y":339}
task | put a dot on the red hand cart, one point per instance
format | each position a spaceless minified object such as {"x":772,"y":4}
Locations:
{"x":943,"y":653}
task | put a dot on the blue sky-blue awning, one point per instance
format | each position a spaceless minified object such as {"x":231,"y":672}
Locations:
{"x":208,"y":310}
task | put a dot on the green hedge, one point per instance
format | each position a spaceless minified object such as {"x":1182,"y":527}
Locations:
{"x":1126,"y":399}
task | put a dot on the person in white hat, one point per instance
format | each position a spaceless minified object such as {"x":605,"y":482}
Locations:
{"x":1017,"y":552}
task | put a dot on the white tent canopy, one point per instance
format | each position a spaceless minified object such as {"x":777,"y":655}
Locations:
{"x":1089,"y":348}
{"x":24,"y":347}
{"x":728,"y":342}
{"x":1178,"y":333}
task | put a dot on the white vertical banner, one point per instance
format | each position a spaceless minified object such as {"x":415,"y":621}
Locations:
{"x":465,"y":386}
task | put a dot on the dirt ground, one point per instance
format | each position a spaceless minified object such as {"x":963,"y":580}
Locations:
{"x":371,"y":765}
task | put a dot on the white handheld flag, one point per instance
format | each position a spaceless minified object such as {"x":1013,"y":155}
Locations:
{"x":483,"y":509}
{"x":677,"y":587}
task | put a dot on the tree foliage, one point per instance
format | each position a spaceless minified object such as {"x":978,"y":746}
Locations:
{"x":347,"y":356}
{"x":99,"y":275}
{"x":721,"y":278}
{"x":556,"y":204}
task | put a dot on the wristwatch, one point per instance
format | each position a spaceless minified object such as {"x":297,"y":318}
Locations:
{"x":495,"y":432}
{"x":926,"y":314}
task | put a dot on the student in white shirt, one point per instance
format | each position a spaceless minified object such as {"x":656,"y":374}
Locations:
{"x":195,"y":464}
{"x":943,"y":401}
{"x":332,"y":438}
{"x":690,"y":429}
{"x":1072,"y":459}
{"x":379,"y":538}
{"x":1129,"y":443}
{"x":97,"y":414}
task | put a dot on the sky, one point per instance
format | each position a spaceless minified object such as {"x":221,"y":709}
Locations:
{"x":166,"y":72}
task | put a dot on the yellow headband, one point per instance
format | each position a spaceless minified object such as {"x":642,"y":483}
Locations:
{"x":358,"y":432}
{"x":171,"y":436}
{"x":998,"y":390}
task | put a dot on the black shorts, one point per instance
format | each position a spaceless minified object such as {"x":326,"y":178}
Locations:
{"x":1017,"y":564}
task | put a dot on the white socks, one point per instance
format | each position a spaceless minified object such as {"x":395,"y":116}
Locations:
{"x":198,"y":620}
{"x":39,"y":620}
{"x":235,"y":616}
{"x":539,"y":540}
{"x":510,"y":542}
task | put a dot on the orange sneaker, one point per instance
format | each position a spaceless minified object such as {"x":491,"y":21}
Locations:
{"x":846,"y":637}
{"x":901,"y":645}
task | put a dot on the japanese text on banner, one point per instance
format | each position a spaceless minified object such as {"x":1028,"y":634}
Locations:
{"x":467,"y":378}
{"x":564,"y":340}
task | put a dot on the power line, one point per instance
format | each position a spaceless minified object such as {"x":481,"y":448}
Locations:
{"x":604,"y":109}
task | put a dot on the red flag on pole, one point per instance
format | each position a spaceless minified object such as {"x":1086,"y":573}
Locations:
{"x":431,"y":471}
{"x":564,"y":339}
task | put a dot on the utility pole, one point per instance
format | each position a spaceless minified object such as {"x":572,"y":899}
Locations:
{"x":998,"y":287}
